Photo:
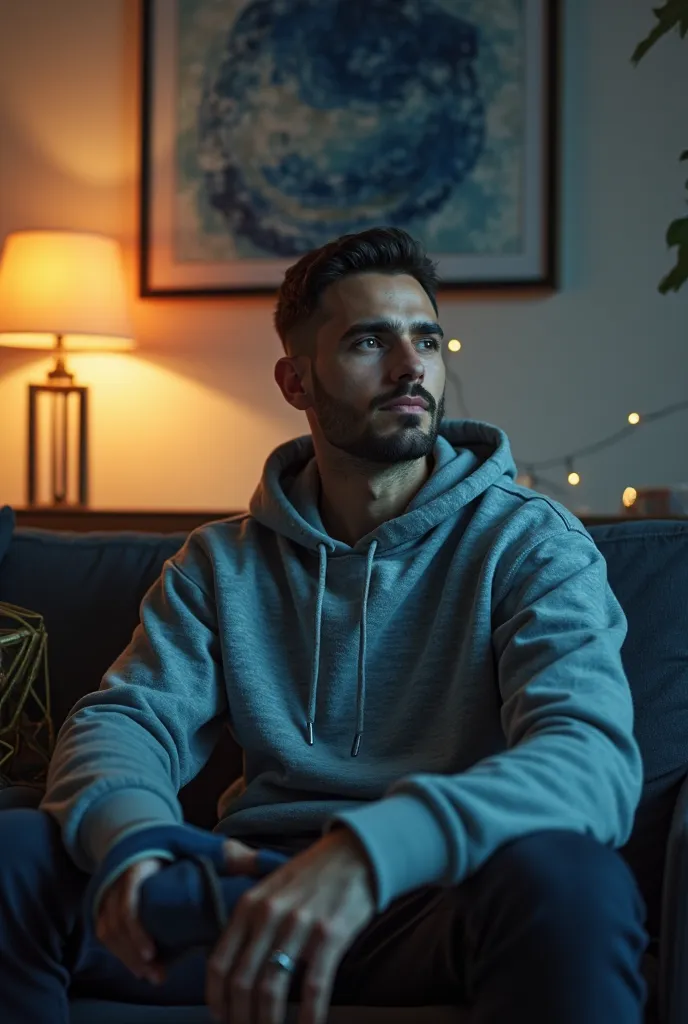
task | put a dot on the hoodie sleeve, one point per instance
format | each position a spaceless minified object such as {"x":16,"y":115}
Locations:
{"x":126,"y":750}
{"x":570,"y":762}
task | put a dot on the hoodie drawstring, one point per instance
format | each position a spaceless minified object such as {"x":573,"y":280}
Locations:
{"x":316,"y":643}
{"x":362,"y":649}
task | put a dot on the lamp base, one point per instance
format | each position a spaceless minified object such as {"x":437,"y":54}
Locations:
{"x":59,"y":374}
{"x":68,"y":433}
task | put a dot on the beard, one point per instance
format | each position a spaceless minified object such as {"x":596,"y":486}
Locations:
{"x":340,"y":423}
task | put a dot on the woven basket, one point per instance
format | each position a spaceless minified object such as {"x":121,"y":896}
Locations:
{"x":26,"y":728}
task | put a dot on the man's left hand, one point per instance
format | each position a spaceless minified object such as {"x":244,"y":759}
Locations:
{"x":312,"y":908}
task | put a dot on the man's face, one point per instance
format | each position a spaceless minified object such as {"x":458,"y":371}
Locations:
{"x":377,"y":340}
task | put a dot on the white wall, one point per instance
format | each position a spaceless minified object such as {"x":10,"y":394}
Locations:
{"x":188,"y":421}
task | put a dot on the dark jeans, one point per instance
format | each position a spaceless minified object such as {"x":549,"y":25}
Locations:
{"x":550,"y":929}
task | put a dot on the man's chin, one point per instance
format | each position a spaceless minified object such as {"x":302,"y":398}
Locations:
{"x":403,"y":444}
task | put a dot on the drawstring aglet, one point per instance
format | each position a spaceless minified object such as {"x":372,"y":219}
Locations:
{"x":357,"y":744}
{"x":309,"y":731}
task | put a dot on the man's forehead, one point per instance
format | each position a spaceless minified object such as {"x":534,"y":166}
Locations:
{"x":374,"y":294}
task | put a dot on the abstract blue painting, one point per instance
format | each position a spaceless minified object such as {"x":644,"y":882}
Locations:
{"x":273,"y":126}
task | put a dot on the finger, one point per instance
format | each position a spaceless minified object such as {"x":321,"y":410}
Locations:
{"x":223,"y":957}
{"x":138,"y":938}
{"x":112,"y":935}
{"x":274,"y":982}
{"x":239,"y":858}
{"x":323,"y":956}
{"x":272,"y":990}
{"x":242,"y":982}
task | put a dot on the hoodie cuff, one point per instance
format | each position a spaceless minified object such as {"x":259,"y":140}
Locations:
{"x":406,"y":846}
{"x":118,"y":815}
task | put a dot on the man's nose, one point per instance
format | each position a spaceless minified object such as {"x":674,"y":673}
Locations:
{"x":407,"y":364}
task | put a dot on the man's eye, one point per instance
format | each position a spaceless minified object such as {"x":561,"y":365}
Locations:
{"x":363,"y":343}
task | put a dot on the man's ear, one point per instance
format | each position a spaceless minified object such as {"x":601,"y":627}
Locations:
{"x":291,"y":375}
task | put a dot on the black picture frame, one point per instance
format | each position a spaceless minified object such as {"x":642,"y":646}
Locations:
{"x":546,"y":279}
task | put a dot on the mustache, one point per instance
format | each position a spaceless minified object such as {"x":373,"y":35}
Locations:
{"x":417,"y":392}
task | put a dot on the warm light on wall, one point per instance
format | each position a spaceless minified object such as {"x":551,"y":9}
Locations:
{"x":454,"y":345}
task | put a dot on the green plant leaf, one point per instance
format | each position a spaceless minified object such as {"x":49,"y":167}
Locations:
{"x":646,"y":44}
{"x":674,"y":14}
{"x":676,"y":278}
{"x":677,"y":235}
{"x":677,"y":232}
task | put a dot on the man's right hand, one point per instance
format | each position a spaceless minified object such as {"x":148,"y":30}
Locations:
{"x":118,"y":926}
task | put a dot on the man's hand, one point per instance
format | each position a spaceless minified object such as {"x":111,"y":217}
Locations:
{"x":118,"y":926}
{"x":312,"y":908}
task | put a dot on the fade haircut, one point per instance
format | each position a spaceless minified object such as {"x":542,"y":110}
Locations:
{"x":387,"y":250}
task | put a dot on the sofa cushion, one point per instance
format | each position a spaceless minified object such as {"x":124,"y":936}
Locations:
{"x":6,"y":528}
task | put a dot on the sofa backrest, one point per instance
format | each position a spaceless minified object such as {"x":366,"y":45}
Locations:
{"x":88,"y":587}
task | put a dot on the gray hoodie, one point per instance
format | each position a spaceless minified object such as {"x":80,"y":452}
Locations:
{"x":451,"y":682}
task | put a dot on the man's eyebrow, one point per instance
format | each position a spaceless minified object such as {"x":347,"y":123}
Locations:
{"x":389,"y":326}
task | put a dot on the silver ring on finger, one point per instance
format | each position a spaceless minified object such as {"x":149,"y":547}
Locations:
{"x":281,"y":959}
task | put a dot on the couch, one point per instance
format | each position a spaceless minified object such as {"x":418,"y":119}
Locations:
{"x":88,"y":587}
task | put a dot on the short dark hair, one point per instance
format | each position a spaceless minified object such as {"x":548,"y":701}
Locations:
{"x":389,"y":250}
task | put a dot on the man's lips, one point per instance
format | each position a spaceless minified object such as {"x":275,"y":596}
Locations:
{"x":407,"y":403}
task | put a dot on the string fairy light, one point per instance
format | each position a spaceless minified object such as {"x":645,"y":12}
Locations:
{"x":532,"y":475}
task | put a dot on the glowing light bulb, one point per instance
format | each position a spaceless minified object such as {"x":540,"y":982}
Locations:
{"x":574,"y":479}
{"x":454,"y":345}
{"x":629,"y":497}
{"x":634,"y":418}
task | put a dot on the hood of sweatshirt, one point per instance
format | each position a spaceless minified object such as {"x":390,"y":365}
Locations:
{"x":469,"y":456}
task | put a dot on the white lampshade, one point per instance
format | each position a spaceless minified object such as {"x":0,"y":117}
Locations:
{"x":63,"y":283}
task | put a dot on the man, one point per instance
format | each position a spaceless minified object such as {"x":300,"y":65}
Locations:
{"x":420,"y":660}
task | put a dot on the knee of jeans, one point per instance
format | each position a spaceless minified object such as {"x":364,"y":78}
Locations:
{"x":569,"y":871}
{"x":29,"y":841}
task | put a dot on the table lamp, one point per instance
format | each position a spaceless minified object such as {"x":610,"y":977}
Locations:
{"x":62,"y":291}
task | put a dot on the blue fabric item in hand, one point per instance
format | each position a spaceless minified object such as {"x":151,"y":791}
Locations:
{"x":183,"y":906}
{"x":167,"y":842}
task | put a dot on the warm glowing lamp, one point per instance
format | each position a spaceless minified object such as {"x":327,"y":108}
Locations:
{"x":62,"y":291}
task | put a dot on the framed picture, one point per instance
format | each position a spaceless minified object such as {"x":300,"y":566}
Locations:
{"x":273,"y":126}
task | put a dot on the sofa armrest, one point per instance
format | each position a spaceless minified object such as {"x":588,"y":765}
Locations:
{"x":673,"y":943}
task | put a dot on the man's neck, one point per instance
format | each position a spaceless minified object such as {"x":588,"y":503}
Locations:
{"x":356,"y":498}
